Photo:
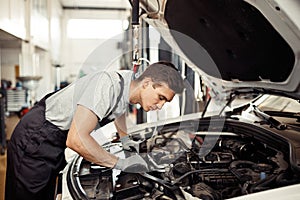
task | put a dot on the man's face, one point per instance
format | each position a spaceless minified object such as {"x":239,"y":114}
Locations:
{"x":154,"y":96}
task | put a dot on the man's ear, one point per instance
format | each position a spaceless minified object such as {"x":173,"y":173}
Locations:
{"x":146,"y":81}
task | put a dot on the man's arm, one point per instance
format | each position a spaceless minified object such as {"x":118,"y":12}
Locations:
{"x":80,"y":140}
{"x":120,"y":124}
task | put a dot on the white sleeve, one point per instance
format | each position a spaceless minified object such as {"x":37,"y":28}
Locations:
{"x":98,"y":95}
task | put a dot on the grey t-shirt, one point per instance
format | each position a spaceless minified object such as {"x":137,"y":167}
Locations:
{"x":96,"y":91}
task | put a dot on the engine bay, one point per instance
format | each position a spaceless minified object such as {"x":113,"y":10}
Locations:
{"x":185,"y":164}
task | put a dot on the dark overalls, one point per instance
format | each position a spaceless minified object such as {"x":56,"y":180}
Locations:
{"x":35,"y":155}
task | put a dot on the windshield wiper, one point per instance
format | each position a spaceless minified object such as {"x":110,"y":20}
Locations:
{"x":284,"y":114}
{"x":273,"y":122}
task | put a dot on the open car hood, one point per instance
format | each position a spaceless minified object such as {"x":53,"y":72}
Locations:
{"x":234,"y":44}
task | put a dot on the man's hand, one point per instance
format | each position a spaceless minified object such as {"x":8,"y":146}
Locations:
{"x":129,"y":144}
{"x":132,"y":164}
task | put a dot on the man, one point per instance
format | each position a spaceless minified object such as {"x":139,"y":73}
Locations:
{"x":67,"y":117}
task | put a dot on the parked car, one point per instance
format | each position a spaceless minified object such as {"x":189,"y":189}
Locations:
{"x":247,"y":151}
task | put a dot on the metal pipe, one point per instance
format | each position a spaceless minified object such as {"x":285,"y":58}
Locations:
{"x":135,"y":12}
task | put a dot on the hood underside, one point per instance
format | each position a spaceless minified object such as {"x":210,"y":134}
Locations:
{"x":235,"y":43}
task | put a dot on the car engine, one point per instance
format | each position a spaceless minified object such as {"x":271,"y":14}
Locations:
{"x":186,"y":164}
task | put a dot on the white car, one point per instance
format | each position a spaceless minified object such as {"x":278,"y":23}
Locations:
{"x":249,"y":151}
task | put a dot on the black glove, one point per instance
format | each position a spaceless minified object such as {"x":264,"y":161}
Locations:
{"x":132,"y":164}
{"x":124,"y":139}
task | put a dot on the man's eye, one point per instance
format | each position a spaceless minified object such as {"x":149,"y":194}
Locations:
{"x":162,"y":98}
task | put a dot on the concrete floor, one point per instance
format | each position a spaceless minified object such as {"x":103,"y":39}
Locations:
{"x":2,"y":175}
{"x":10,"y":123}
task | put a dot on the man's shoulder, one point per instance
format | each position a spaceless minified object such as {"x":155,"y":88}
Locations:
{"x":113,"y":77}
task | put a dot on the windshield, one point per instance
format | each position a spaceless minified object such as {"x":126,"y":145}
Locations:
{"x":280,"y":104}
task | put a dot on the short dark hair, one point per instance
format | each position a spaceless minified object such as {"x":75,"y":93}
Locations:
{"x":164,"y":72}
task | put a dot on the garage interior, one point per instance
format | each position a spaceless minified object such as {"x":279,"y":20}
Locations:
{"x":241,"y":91}
{"x":43,"y":48}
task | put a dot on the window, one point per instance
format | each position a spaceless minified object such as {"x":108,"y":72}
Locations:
{"x":94,"y":28}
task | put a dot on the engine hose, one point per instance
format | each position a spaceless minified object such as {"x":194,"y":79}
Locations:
{"x":284,"y":179}
{"x":233,"y":168}
{"x":197,"y":171}
{"x":263,"y":183}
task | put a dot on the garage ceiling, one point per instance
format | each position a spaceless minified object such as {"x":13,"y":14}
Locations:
{"x":9,"y":41}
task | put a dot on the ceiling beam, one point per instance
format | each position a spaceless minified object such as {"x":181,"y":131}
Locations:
{"x":93,"y":8}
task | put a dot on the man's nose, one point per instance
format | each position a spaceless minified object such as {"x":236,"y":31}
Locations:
{"x":160,"y":105}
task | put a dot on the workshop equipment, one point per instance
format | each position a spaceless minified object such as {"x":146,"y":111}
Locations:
{"x":30,"y":83}
{"x":2,"y":124}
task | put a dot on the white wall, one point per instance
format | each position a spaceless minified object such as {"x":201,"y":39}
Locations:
{"x":39,"y":29}
{"x":47,"y":43}
{"x":9,"y":58}
{"x":55,"y":31}
{"x":12,"y":21}
{"x":90,"y":54}
{"x":12,"y":17}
